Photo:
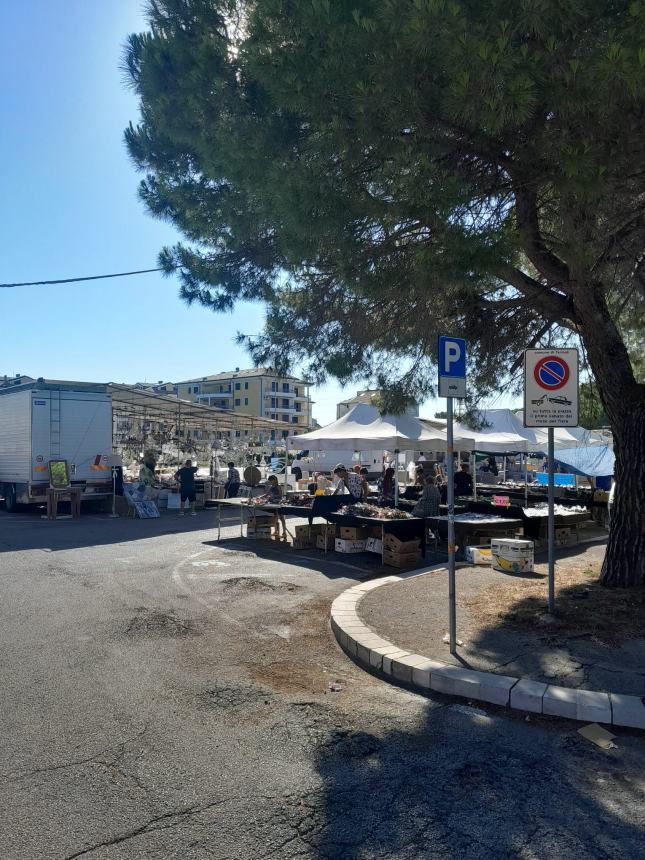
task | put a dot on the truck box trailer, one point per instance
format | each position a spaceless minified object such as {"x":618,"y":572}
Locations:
{"x":42,"y":421}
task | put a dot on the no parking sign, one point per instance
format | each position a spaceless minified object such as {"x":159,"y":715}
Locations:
{"x":551,"y":388}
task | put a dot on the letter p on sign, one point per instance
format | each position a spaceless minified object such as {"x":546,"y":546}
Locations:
{"x":453,"y":354}
{"x":452,"y":367}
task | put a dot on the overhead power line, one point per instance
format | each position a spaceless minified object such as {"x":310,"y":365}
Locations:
{"x":76,"y":280}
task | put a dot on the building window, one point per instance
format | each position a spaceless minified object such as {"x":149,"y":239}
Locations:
{"x":285,"y":403}
{"x":285,"y":417}
{"x":237,"y":386}
{"x":298,"y":407}
{"x":246,"y":401}
{"x":294,"y":420}
{"x":246,"y":386}
{"x":285,"y":387}
{"x":274,"y":386}
{"x":273,"y":402}
{"x":295,"y":391}
{"x":237,"y":434}
{"x":246,"y":432}
{"x":196,"y":389}
{"x":237,"y":401}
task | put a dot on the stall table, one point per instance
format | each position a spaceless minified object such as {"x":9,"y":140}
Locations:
{"x":534,"y":523}
{"x":410,"y":528}
{"x":468,"y":525}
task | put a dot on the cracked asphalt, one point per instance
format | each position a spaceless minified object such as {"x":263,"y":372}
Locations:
{"x":165,"y":696}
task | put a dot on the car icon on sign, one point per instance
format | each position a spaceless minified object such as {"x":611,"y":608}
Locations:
{"x":539,"y":401}
{"x":561,"y":400}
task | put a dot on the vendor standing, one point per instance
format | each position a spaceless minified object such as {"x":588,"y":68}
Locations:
{"x":347,"y":483}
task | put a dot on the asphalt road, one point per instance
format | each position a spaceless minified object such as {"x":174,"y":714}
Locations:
{"x":167,"y":697}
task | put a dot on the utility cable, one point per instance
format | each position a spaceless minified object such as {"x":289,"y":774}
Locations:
{"x":76,"y":280}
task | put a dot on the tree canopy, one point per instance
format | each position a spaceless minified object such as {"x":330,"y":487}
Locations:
{"x":382,"y":171}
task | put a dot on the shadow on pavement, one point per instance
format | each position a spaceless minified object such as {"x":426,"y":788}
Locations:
{"x":26,"y":530}
{"x":479,"y":786}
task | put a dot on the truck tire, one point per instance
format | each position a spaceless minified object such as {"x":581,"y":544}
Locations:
{"x":9,"y":493}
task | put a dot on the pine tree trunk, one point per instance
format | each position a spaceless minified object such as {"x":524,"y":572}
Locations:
{"x":624,"y":402}
{"x":624,"y":564}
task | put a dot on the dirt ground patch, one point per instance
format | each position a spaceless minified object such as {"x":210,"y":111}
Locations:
{"x":583,"y":607}
{"x":306,"y":662}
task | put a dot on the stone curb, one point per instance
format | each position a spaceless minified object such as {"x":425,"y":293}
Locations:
{"x":416,"y":671}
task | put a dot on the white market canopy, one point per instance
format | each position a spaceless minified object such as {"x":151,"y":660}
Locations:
{"x":503,"y":432}
{"x":363,"y":429}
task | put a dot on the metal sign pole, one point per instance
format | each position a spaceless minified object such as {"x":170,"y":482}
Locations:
{"x":551,"y":526}
{"x":114,"y":514}
{"x":451,"y":531}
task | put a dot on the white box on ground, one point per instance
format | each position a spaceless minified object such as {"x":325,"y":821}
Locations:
{"x":478,"y":554}
{"x":512,"y":556}
{"x":349,"y":546}
{"x":551,"y":388}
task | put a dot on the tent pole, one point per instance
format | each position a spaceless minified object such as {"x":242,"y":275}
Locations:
{"x":396,"y":477}
{"x":474,"y":467}
{"x":526,"y":480}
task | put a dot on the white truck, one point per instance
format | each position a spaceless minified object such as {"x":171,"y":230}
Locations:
{"x":42,"y":421}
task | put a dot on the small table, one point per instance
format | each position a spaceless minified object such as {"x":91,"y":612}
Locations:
{"x":64,"y":494}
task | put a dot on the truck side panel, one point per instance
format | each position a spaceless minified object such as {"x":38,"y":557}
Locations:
{"x":15,"y":437}
{"x":75,"y":426}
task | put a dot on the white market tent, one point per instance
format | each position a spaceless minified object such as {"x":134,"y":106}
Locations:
{"x":362,"y":428}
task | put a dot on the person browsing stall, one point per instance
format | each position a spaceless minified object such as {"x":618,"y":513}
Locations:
{"x":232,"y":485}
{"x":428,"y":504}
{"x":463,"y":482}
{"x":274,"y":496}
{"x":186,"y":478}
{"x":340,"y":481}
{"x":386,"y":488}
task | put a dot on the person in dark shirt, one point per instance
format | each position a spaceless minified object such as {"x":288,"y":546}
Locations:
{"x":463,"y":482}
{"x":186,"y":478}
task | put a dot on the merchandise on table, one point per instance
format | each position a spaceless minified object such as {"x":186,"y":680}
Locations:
{"x":558,"y":510}
{"x":374,"y":512}
{"x":301,"y":500}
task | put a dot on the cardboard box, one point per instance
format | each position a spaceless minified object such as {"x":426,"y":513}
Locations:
{"x":303,"y":532}
{"x":562,"y":533}
{"x":375,"y":532}
{"x":512,"y":556}
{"x":320,"y":542}
{"x":353,"y":533}
{"x":302,"y":544}
{"x":391,"y":542}
{"x":478,"y":554}
{"x":349,"y":546}
{"x":394,"y":559}
{"x":373,"y":544}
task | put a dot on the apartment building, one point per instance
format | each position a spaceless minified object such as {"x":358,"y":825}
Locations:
{"x":369,"y":396}
{"x":259,"y":391}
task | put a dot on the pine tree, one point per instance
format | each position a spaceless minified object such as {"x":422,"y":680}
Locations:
{"x":381,"y":171}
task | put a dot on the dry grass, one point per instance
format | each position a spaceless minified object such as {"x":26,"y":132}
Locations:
{"x":583,"y":607}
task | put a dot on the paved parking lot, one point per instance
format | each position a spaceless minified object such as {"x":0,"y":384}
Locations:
{"x":165,"y":696}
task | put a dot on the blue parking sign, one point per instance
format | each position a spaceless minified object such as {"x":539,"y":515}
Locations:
{"x":452,"y":367}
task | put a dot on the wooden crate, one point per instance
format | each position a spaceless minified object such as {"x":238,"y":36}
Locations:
{"x":395,"y":545}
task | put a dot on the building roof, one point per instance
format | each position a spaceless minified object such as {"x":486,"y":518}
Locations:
{"x":237,"y":374}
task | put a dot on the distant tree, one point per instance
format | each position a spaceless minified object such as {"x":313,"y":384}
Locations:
{"x":382,"y":171}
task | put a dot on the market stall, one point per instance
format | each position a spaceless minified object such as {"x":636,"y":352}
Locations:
{"x":472,"y":528}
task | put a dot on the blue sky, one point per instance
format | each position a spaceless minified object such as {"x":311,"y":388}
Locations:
{"x":69,"y":207}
